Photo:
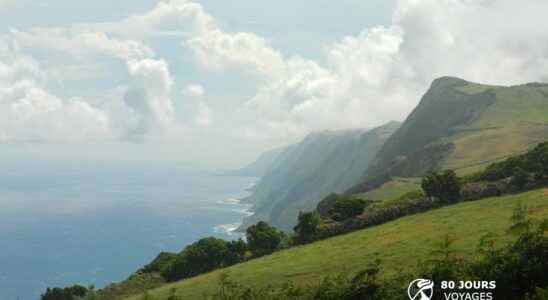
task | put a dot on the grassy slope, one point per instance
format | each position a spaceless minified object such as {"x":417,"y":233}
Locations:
{"x":517,"y":120}
{"x":398,"y":244}
{"x":392,"y":189}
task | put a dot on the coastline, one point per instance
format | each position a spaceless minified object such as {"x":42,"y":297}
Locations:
{"x":243,"y":206}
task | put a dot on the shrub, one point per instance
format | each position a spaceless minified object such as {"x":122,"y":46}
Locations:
{"x":263,"y":239}
{"x":520,"y":178}
{"x":444,"y":186}
{"x":69,"y":293}
{"x":307,"y":227}
{"x":346,"y":207}
{"x":160,"y":263}
{"x":203,"y":256}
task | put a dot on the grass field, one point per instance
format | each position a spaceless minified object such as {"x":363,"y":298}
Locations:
{"x":392,"y":190}
{"x":399,"y":244}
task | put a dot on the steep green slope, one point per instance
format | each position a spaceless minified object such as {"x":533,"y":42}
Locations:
{"x":321,"y":164}
{"x":462,"y":125}
{"x":399,"y":244}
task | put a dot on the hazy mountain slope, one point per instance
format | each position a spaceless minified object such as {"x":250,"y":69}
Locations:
{"x":261,"y":165}
{"x":399,"y":244}
{"x":460,"y":125}
{"x":322,"y":163}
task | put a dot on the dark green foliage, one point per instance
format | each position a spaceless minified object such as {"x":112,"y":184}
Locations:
{"x":520,"y":178}
{"x":364,"y":285}
{"x":263,"y":239}
{"x":203,"y":256}
{"x":534,"y":162}
{"x":521,"y":267}
{"x":68,"y":293}
{"x":307,"y":227}
{"x":326,"y":205}
{"x":236,"y":252}
{"x":443,"y":265}
{"x":160,"y":263}
{"x":444,"y":186}
{"x":346,"y":207}
{"x":379,"y":215}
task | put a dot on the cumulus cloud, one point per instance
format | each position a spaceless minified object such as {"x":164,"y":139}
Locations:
{"x":366,"y":79}
{"x":380,"y":74}
{"x":212,"y":47}
{"x":29,"y":113}
{"x":149,"y":97}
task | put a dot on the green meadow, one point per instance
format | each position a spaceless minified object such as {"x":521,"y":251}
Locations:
{"x":399,"y":244}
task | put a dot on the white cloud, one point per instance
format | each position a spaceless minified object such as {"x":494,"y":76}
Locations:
{"x":380,"y":74}
{"x":194,"y":90}
{"x":366,"y":79}
{"x":29,"y":113}
{"x":82,"y":43}
{"x":213,"y":48}
{"x":149,"y":98}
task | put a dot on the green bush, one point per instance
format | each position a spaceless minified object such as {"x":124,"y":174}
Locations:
{"x":263,"y":239}
{"x":444,"y":186}
{"x":203,"y":256}
{"x":161,"y":263}
{"x":346,"y":207}
{"x":69,"y":293}
{"x":307,"y":227}
{"x":534,"y":162}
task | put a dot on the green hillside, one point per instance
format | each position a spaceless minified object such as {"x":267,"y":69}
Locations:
{"x":392,"y":189}
{"x":464,"y":126}
{"x":399,"y":244}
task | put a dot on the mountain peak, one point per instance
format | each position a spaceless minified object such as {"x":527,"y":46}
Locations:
{"x":447,"y":81}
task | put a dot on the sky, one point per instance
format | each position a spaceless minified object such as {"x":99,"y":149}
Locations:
{"x":218,"y":82}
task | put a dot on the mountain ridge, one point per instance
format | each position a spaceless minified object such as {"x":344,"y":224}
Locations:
{"x":323,"y":162}
{"x":460,"y":123}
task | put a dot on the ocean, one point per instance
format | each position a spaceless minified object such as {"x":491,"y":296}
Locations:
{"x":94,"y":224}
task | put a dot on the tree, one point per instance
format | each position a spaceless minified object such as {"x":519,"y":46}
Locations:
{"x":203,"y":256}
{"x":69,"y":293}
{"x":236,"y":252}
{"x":263,"y":239}
{"x":347,"y":207}
{"x":520,"y":178}
{"x":307,"y":226}
{"x":443,"y":186}
{"x":160,"y":263}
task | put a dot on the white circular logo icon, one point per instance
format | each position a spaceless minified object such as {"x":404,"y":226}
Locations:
{"x":421,"y":289}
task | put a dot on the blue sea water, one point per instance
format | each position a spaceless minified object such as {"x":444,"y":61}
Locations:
{"x":94,"y":224}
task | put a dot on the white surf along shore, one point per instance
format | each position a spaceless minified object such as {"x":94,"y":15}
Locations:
{"x":234,"y":205}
